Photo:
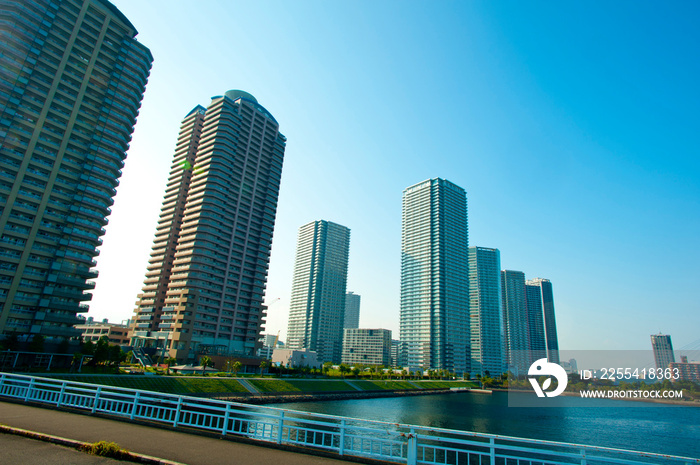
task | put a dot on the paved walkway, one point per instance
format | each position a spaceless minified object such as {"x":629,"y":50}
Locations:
{"x":16,"y":449}
{"x":190,"y":449}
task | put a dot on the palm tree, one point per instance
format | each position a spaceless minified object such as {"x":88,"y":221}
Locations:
{"x":205,"y":361}
{"x":169,"y":361}
{"x":264,"y":365}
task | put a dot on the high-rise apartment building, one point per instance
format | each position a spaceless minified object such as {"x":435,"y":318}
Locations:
{"x":663,"y":350}
{"x":434,"y":322}
{"x":352,"y":310}
{"x":535,"y":323}
{"x":517,"y":337}
{"x":367,"y":346}
{"x":317,"y":305}
{"x":486,"y":312}
{"x":73,"y":76}
{"x":204,"y":286}
{"x":540,"y":301}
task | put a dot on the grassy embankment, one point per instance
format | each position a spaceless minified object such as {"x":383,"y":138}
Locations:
{"x":192,"y":385}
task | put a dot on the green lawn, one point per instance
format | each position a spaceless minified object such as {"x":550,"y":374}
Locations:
{"x":191,"y":385}
{"x":377,"y":385}
{"x":321,"y":385}
{"x":444,"y":384}
{"x":273,"y":385}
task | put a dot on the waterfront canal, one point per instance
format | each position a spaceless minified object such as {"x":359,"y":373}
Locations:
{"x":643,"y":426}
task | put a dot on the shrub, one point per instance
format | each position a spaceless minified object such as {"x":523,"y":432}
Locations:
{"x":105,"y":449}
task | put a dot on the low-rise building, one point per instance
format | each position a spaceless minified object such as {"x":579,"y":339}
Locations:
{"x":270,"y":342}
{"x":293,"y":358}
{"x":688,"y":371}
{"x":367,"y":346}
{"x":92,"y":331}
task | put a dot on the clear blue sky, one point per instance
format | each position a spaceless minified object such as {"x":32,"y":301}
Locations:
{"x":574,"y":128}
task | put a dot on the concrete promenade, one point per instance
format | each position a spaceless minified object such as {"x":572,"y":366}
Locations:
{"x":186,"y":448}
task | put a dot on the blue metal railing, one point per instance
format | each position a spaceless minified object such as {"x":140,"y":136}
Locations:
{"x":391,"y":442}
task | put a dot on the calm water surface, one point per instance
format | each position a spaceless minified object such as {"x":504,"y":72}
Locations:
{"x":664,"y":429}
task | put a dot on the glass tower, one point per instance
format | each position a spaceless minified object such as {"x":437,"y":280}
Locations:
{"x":486,"y":311}
{"x":517,"y":335}
{"x":352,"y":310}
{"x":434,"y":322}
{"x":540,"y":301}
{"x":204,"y":286}
{"x":73,"y":76}
{"x":317,"y":305}
{"x":663,"y":350}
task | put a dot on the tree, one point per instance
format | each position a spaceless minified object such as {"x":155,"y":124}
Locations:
{"x":88,"y":348}
{"x":264,"y":365}
{"x":101,"y":351}
{"x":170,"y":361}
{"x":205,"y":361}
{"x":36,"y":344}
{"x":115,"y":355}
{"x":63,"y":346}
{"x":236,"y":367}
{"x":343,"y":368}
{"x":327,"y":367}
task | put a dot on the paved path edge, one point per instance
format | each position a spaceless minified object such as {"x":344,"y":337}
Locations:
{"x":72,"y":443}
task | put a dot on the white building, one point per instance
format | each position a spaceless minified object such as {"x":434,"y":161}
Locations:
{"x":434,"y":321}
{"x":367,"y":346}
{"x":295,"y":358}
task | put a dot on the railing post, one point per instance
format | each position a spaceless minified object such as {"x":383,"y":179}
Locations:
{"x":60,"y":395}
{"x":226,"y":417}
{"x":97,"y":399}
{"x":492,"y":450}
{"x":412,"y":448}
{"x":177,"y":412}
{"x":583,"y":457}
{"x":135,"y":405}
{"x":29,"y":389}
{"x":341,"y":446}
{"x":2,"y":382}
{"x":280,"y":428}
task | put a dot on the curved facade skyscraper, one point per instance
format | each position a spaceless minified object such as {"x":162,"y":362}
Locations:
{"x":204,"y":287}
{"x":434,"y":322}
{"x":72,"y":79}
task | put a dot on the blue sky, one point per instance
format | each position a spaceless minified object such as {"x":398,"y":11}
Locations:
{"x":573,"y":127}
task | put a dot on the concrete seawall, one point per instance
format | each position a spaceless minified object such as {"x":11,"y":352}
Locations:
{"x":280,"y":397}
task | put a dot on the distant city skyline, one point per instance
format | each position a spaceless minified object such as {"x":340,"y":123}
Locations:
{"x":530,"y":110}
